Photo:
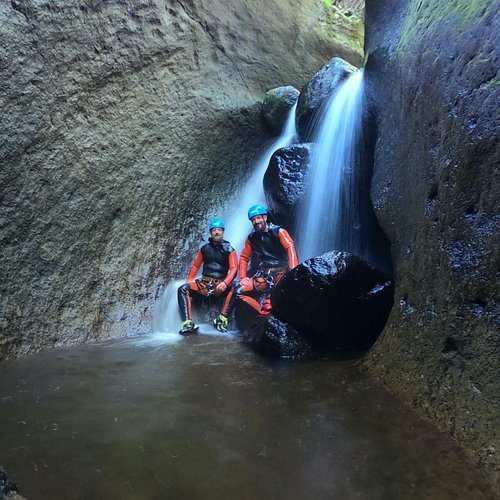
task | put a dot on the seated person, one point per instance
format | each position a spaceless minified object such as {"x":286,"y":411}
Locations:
{"x":220,"y":264}
{"x":271,"y":251}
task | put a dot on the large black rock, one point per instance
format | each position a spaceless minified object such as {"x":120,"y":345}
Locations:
{"x":337,"y":301}
{"x":269,"y":336}
{"x":285,"y":181}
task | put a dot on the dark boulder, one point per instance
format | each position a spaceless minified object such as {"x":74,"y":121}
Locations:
{"x":269,"y":336}
{"x":277,"y":105}
{"x":316,"y":92}
{"x":8,"y":490}
{"x":336,"y":301}
{"x":285,"y":182}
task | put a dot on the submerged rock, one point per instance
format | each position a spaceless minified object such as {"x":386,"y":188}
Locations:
{"x":269,"y":336}
{"x":277,"y":106}
{"x":8,"y":490}
{"x":285,"y":182}
{"x":336,"y":301}
{"x":315,"y":93}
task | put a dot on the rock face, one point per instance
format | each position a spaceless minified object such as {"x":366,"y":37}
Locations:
{"x":277,"y":106}
{"x":432,"y":78}
{"x":125,"y":127}
{"x":285,"y":182}
{"x":336,"y":301}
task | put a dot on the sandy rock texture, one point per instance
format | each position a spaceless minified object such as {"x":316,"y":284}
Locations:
{"x":432,"y":78}
{"x":124,"y":127}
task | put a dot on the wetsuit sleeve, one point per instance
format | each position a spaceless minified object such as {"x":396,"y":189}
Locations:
{"x":233,"y":267}
{"x":196,"y":265}
{"x":246,"y":253}
{"x":287,"y":243}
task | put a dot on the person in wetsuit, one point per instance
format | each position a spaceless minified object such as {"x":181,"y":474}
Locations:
{"x":220,"y":264}
{"x":270,"y":251}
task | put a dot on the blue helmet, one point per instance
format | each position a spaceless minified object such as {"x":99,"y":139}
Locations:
{"x":216,"y":223}
{"x":256,"y":210}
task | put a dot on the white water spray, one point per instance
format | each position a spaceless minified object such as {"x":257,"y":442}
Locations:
{"x":235,"y":217}
{"x":166,"y":317}
{"x":329,"y":216}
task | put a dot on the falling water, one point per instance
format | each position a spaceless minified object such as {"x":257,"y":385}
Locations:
{"x":329,"y":218}
{"x":237,"y":225}
{"x":166,"y":315}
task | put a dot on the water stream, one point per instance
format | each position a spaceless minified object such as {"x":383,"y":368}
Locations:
{"x":235,"y":216}
{"x":166,"y":417}
{"x":329,"y":216}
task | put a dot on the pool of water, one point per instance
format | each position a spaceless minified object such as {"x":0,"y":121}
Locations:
{"x":203,"y":417}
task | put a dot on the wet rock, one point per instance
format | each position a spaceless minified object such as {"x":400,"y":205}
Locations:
{"x":8,"y":490}
{"x":285,"y":181}
{"x":269,"y":336}
{"x":316,"y":92}
{"x":336,"y":301}
{"x":435,"y":192}
{"x":277,"y":105}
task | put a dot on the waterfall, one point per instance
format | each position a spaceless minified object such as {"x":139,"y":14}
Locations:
{"x":329,"y":216}
{"x":235,"y":216}
{"x":166,"y":315}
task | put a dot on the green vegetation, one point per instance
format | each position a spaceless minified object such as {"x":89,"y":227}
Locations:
{"x":491,"y":84}
{"x":428,"y":15}
{"x":345,"y":31}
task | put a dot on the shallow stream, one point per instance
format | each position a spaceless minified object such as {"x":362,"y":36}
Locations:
{"x":203,"y":417}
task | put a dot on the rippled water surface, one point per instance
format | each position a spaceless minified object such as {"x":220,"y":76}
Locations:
{"x":205,"y":418}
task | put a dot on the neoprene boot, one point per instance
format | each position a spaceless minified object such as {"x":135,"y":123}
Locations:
{"x":188,"y":327}
{"x":221,"y":323}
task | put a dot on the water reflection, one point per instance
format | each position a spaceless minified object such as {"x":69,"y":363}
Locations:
{"x":203,"y":417}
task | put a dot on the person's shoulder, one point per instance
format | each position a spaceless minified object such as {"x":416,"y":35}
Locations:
{"x":227,"y":246}
{"x":274,"y":229}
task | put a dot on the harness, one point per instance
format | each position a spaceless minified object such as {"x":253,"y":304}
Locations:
{"x":270,"y":276}
{"x":207,"y":283}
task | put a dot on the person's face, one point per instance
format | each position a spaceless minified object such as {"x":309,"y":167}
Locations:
{"x":259,"y":222}
{"x":217,"y":234}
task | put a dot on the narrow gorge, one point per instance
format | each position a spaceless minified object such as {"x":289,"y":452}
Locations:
{"x":126,"y":126}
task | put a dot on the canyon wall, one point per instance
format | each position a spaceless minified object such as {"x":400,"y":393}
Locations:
{"x":433,"y":84}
